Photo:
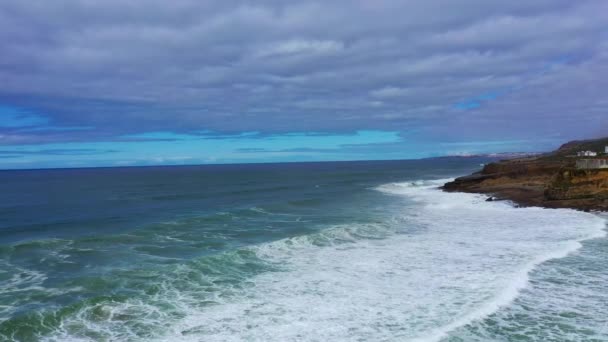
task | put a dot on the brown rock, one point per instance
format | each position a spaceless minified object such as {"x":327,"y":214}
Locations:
{"x":548,"y":180}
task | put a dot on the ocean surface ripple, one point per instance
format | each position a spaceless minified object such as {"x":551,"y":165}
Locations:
{"x":399,"y":261}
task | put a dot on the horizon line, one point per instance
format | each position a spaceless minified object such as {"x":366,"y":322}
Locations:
{"x":486,"y":155}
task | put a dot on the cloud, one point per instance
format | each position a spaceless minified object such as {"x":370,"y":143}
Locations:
{"x":202,"y":147}
{"x":390,"y":92}
{"x":81,"y":72}
{"x":12,"y":117}
{"x":55,"y":152}
{"x":299,"y":47}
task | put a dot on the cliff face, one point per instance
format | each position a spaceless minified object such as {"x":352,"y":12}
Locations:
{"x":572,"y":184}
{"x":550,"y":180}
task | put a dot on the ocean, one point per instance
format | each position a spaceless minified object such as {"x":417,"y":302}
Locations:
{"x":345,"y":251}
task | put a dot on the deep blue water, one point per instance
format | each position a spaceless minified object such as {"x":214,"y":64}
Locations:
{"x":61,"y":203}
{"x":298,"y":251}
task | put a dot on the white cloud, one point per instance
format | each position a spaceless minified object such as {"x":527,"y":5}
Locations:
{"x":390,"y":92}
{"x":298,"y":46}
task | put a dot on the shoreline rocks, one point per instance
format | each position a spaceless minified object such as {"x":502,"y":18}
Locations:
{"x":550,"y":180}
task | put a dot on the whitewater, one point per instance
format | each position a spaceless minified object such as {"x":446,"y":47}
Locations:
{"x":355,"y":251}
{"x":444,"y":262}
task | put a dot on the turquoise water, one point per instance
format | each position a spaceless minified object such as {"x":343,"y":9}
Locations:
{"x":358,"y":251}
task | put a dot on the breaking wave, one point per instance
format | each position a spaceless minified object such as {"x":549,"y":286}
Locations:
{"x":440,"y":262}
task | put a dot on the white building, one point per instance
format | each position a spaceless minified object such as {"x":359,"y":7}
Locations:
{"x":587,"y":153}
{"x":606,"y":150}
{"x":589,"y":164}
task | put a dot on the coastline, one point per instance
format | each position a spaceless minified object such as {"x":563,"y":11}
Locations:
{"x":525,"y":195}
{"x":551,"y":180}
{"x":507,"y":296}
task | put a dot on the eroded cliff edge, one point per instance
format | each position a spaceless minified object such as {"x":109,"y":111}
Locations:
{"x":550,"y":180}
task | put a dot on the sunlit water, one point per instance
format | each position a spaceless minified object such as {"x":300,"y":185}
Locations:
{"x":300,"y":252}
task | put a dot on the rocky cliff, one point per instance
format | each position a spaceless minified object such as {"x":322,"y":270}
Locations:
{"x":549,"y":180}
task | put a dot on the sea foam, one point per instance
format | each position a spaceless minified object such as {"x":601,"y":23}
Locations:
{"x":440,"y":262}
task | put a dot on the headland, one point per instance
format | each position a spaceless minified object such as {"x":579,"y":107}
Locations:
{"x":573,"y":176}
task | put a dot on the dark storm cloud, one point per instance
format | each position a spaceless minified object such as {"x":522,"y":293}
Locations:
{"x":437,"y":66}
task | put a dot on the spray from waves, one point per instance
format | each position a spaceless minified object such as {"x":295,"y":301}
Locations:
{"x":457,"y":260}
{"x":505,"y":297}
{"x":520,"y":279}
{"x":445,"y":260}
{"x":189,"y":289}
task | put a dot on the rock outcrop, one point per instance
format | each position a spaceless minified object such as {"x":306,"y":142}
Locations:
{"x":550,"y":180}
{"x":572,"y":184}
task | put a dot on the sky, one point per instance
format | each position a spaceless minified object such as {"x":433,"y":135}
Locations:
{"x":155,"y":82}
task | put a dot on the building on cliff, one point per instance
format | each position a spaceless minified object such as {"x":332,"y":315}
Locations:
{"x":587,"y":164}
{"x":586,"y":154}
